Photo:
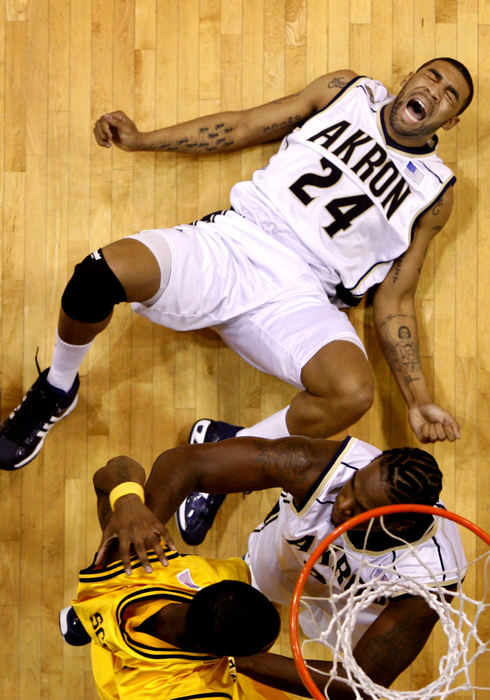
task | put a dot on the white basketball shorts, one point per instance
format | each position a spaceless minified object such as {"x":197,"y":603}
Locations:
{"x":262,"y":299}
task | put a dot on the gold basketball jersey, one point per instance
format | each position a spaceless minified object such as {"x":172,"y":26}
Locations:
{"x":128,"y":663}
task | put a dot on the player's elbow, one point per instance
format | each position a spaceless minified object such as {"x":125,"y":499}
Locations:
{"x":388,"y":303}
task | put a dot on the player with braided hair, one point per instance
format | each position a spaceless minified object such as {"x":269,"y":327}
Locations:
{"x":325,"y":482}
{"x":414,"y":475}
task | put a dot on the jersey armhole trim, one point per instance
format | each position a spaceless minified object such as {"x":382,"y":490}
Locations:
{"x":340,"y":93}
{"x":441,"y":192}
{"x":335,"y":460}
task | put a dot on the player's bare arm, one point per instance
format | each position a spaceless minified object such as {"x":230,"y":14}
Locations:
{"x":240,"y":464}
{"x":395,"y":638}
{"x":224,"y":131}
{"x":280,"y":672}
{"x":236,"y":465}
{"x":386,"y":649}
{"x":396,"y":324}
{"x":131,"y":523}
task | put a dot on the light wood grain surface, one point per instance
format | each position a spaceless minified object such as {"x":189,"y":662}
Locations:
{"x":65,"y":62}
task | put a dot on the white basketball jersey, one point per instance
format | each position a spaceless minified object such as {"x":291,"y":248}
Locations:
{"x":282,"y":544}
{"x":342,"y":194}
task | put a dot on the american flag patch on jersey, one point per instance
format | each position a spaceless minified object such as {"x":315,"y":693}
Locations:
{"x":414,"y":173}
{"x":380,"y":575}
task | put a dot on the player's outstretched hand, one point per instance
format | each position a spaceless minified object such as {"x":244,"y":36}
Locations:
{"x":431,"y":423}
{"x":134,"y":525}
{"x":117,"y":128}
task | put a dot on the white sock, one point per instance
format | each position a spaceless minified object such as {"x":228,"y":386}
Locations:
{"x":271,"y":427}
{"x":65,"y":363}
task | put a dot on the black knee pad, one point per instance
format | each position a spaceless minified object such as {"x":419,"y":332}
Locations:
{"x":92,"y":291}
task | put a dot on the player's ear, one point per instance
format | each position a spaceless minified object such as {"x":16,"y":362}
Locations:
{"x":407,"y":78}
{"x":451,"y":123}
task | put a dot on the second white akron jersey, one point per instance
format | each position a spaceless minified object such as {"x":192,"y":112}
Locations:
{"x":282,"y":544}
{"x":342,"y":194}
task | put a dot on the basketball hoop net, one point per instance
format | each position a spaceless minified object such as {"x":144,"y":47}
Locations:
{"x":335,"y":617}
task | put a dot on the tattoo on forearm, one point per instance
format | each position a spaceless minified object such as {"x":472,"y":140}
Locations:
{"x":275,"y":126}
{"x":401,"y":346}
{"x":206,"y":140}
{"x":337,"y":83}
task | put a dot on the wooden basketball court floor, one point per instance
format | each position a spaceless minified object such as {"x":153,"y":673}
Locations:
{"x":65,"y":62}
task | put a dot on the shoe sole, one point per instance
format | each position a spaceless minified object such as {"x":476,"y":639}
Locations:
{"x":196,"y":437}
{"x":63,"y":620}
{"x":198,"y":431}
{"x":180,"y":519}
{"x":41,"y":442}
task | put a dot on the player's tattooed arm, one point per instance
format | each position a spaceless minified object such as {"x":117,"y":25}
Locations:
{"x":203,"y":135}
{"x":438,"y":207}
{"x":399,"y":340}
{"x":206,"y":139}
{"x":236,"y":465}
{"x":396,"y":324}
{"x":287,"y":123}
{"x":292,"y":463}
{"x":337,"y":83}
{"x":223,"y":131}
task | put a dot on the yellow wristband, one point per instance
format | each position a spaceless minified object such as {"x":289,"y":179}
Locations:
{"x":124,"y":489}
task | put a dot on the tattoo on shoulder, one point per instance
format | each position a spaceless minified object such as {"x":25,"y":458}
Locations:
{"x":289,"y":463}
{"x":337,"y":83}
{"x":437,"y":207}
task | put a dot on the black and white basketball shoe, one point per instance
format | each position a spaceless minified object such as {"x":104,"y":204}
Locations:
{"x":71,"y":628}
{"x":22,"y":434}
{"x":197,"y":513}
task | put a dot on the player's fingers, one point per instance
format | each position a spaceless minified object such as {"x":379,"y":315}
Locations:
{"x":423,"y":433}
{"x":118,"y":120}
{"x":168,"y":539}
{"x":124,"y":554}
{"x":102,"y":132}
{"x":432,"y":432}
{"x":451,"y":433}
{"x":452,"y":430}
{"x":101,"y":556}
{"x":140,"y":550}
{"x":440,"y":432}
{"x":158,"y":549}
{"x":118,"y":116}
